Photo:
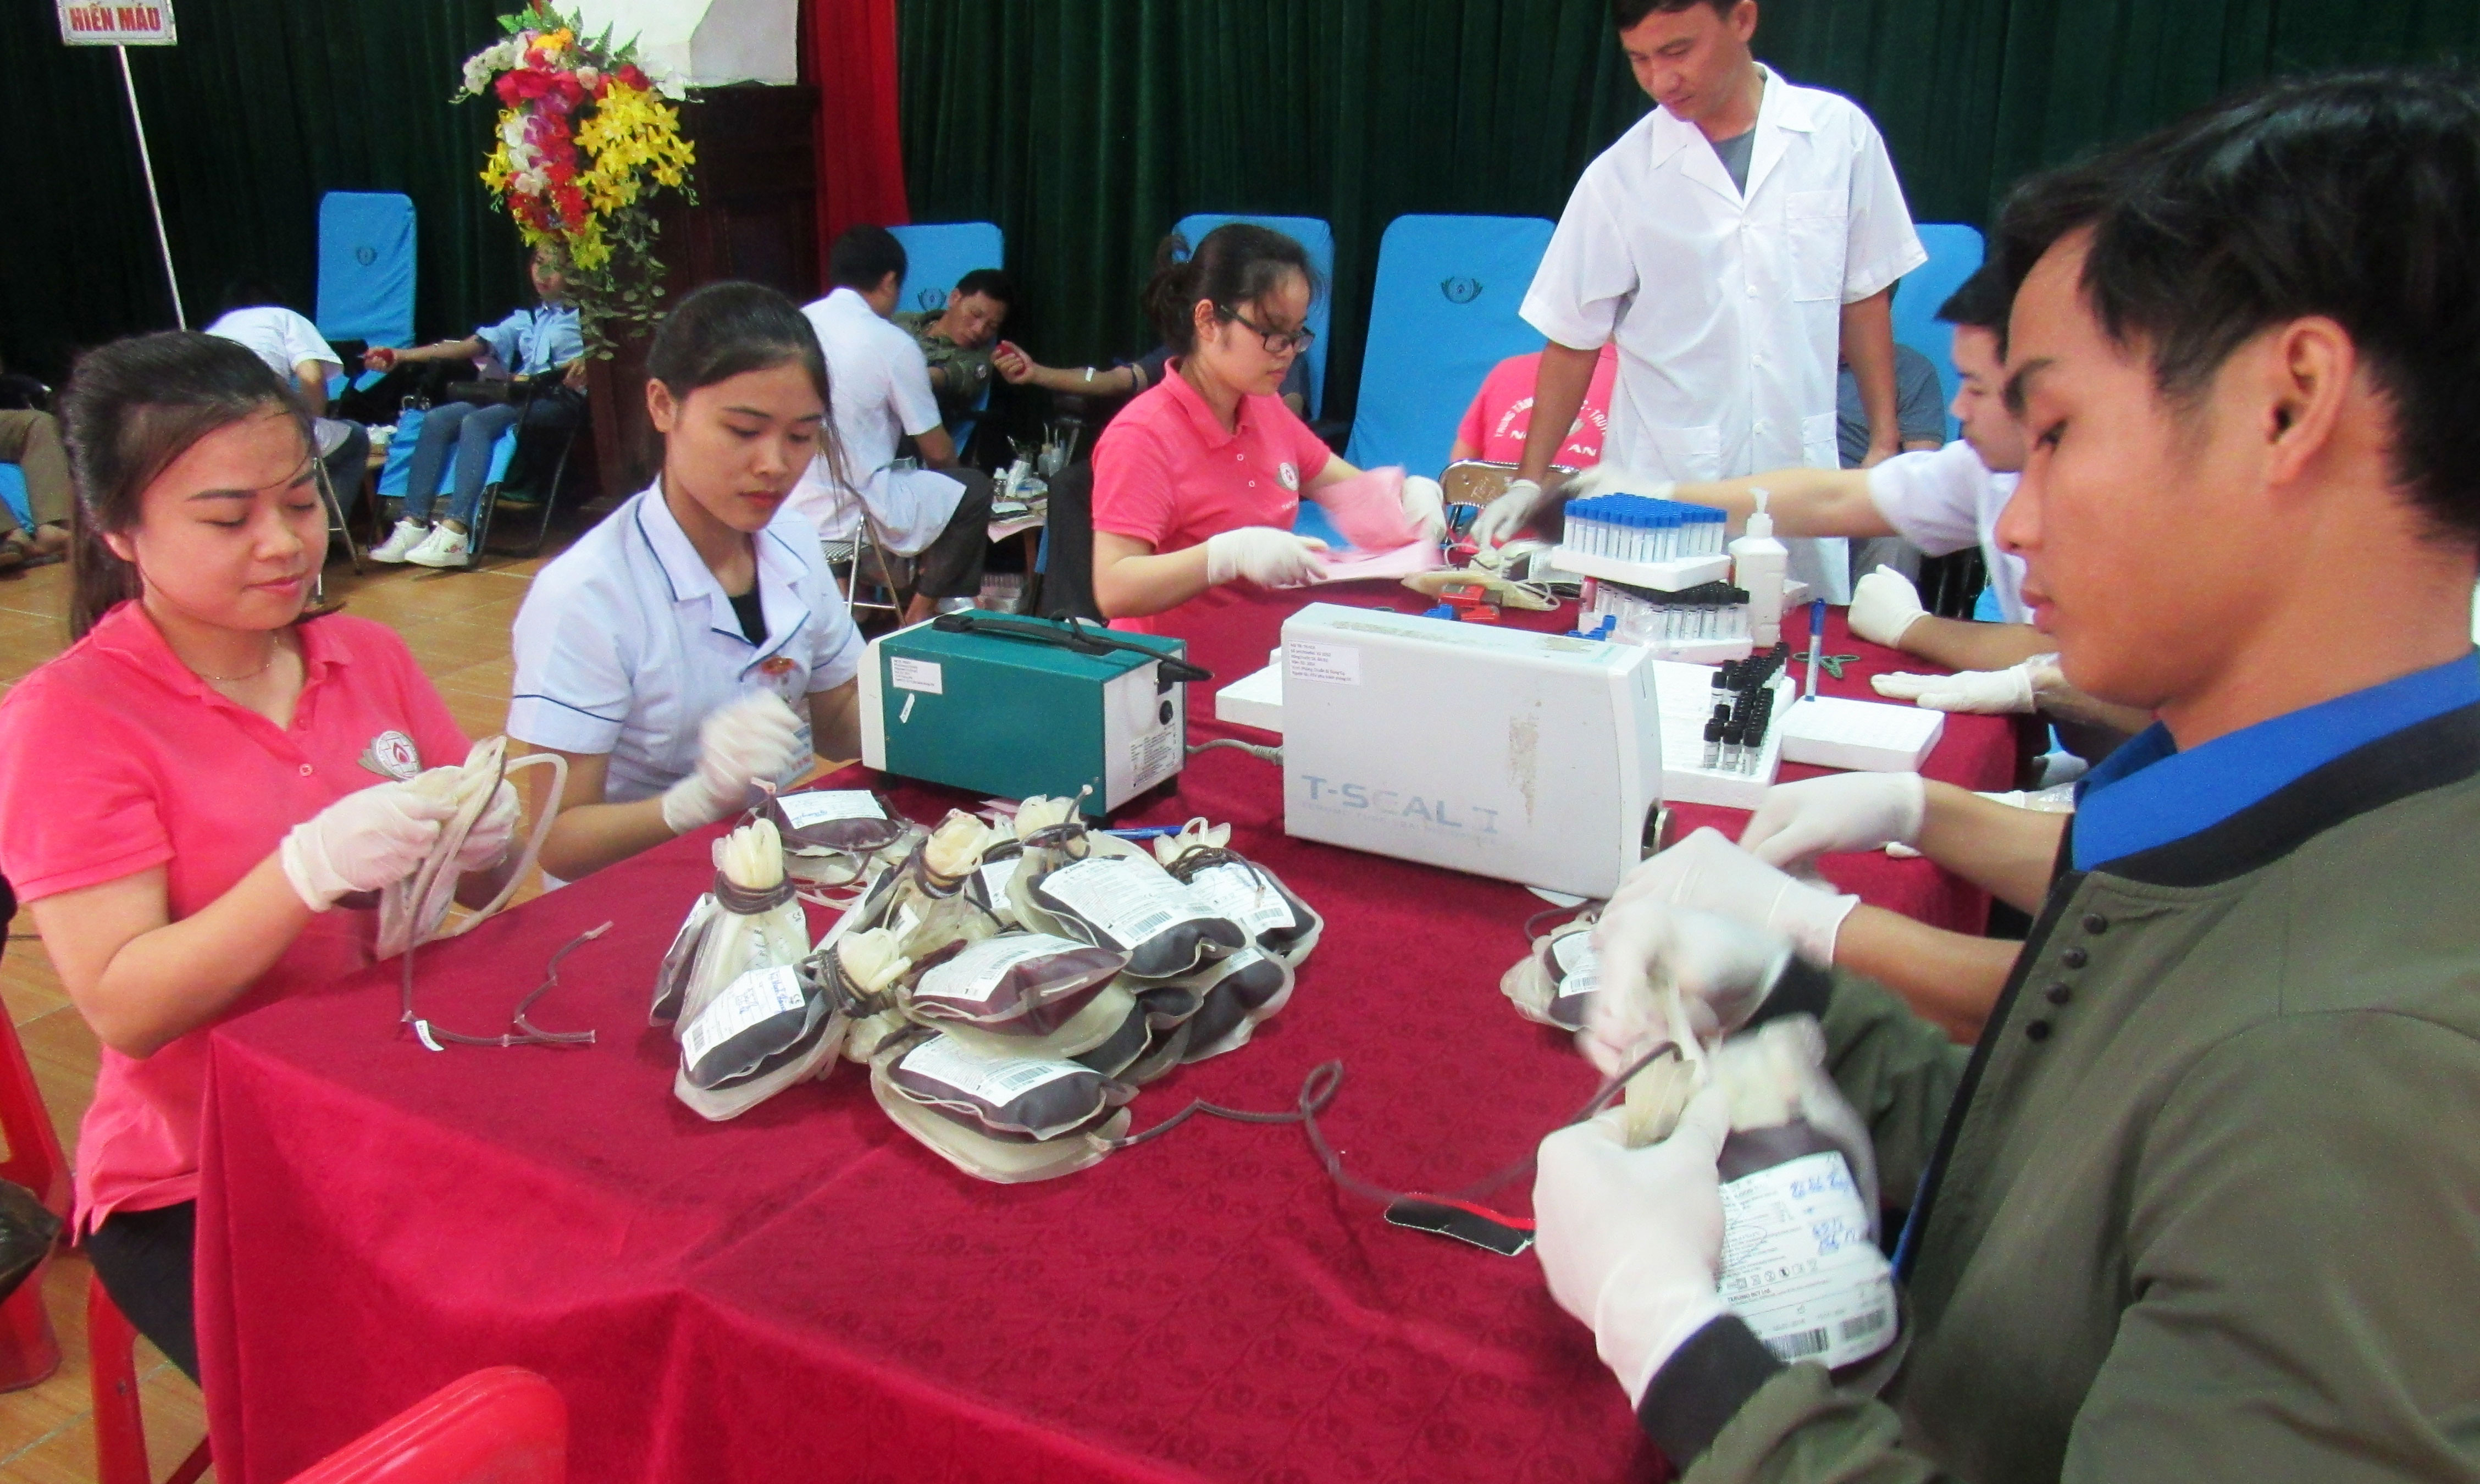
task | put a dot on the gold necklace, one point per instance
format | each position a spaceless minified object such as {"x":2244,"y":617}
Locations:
{"x":275,"y":647}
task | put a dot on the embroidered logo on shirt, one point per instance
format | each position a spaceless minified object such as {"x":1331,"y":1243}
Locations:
{"x":1288,"y":476}
{"x":392,"y":754}
{"x":778,"y":665}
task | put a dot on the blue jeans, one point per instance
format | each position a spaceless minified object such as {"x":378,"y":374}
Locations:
{"x":472,"y":430}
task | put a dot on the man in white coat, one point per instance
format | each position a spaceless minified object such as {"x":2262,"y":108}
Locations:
{"x":1736,"y":243}
{"x":879,"y":388}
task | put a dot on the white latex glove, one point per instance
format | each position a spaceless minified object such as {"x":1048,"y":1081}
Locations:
{"x":1883,"y":604}
{"x":1840,"y":812}
{"x":753,"y":740}
{"x":1502,"y":518}
{"x":1425,"y":505}
{"x":1610,"y":478}
{"x":2003,"y":692}
{"x":486,"y":844}
{"x":1631,"y":1240}
{"x":1264,"y":555}
{"x":1708,"y":872}
{"x":1722,"y":967}
{"x":365,"y":841}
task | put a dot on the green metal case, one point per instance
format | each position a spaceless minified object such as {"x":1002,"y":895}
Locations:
{"x":1012,"y":707}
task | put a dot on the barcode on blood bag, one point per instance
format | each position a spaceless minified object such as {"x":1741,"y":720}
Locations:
{"x":1132,"y":933}
{"x":1867,"y":1323}
{"x":1795,"y":1347}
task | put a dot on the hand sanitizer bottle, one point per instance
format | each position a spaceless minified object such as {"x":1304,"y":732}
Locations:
{"x":1758,"y":565}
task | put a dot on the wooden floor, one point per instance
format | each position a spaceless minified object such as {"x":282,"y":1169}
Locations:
{"x":457,"y":626}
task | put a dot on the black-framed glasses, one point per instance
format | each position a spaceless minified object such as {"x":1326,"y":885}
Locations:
{"x":1276,"y":341}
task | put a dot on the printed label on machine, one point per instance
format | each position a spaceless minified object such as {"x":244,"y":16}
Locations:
{"x":927,"y":676}
{"x":1154,"y":757}
{"x":758,"y":994}
{"x":804,"y":810}
{"x":1237,"y":892}
{"x":1308,"y":660}
{"x":997,"y":1081}
{"x":1798,"y":1265}
{"x":1129,"y":899}
{"x":975,"y":972}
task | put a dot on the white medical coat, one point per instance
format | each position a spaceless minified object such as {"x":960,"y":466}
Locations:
{"x":626,"y":642}
{"x":1944,"y":500}
{"x":879,"y":386}
{"x":1727,"y":308}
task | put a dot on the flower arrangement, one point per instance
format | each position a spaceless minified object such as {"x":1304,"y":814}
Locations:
{"x":584,"y":136}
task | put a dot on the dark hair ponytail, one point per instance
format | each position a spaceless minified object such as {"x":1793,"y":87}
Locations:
{"x":726,"y":329}
{"x":131,"y":408}
{"x":1238,"y":263}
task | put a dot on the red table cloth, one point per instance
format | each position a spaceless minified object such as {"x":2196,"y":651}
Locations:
{"x":805,"y":1293}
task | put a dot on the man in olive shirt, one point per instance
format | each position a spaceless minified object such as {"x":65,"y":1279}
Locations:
{"x":2203,"y":1203}
{"x":956,"y":341}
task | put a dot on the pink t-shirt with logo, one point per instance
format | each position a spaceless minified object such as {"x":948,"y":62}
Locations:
{"x":1495,"y":426}
{"x":116,"y":758}
{"x":1166,"y":473}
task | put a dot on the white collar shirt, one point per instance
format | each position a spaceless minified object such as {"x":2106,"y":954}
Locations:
{"x":880,"y":392}
{"x":283,"y":338}
{"x":1726,"y":307}
{"x":1944,"y":499}
{"x":626,"y":643}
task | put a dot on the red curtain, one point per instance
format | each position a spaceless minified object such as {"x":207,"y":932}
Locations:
{"x":861,"y":157}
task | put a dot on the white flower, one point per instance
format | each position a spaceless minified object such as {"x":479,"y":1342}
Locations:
{"x":512,"y":133}
{"x":588,"y":77}
{"x":674,"y":84}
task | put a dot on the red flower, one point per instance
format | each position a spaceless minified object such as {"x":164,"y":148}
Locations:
{"x":572,"y":203}
{"x":506,"y":88}
{"x":633,"y":75}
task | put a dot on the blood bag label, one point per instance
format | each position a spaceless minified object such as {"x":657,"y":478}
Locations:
{"x":804,"y":810}
{"x":997,"y":875}
{"x":1580,"y":968}
{"x":997,"y":1081}
{"x":975,"y":974}
{"x":761,"y":994}
{"x":1127,"y":899}
{"x":1239,"y":893}
{"x":1307,"y":660}
{"x":924,"y":675}
{"x":1798,"y":1265}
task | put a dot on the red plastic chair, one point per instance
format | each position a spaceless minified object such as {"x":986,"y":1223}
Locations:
{"x":120,"y":1427}
{"x":504,"y":1425}
{"x":29,"y":1351}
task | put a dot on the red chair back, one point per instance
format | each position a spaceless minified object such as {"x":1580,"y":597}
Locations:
{"x":500,"y":1426}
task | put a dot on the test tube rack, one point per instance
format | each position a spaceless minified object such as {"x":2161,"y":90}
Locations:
{"x":1703,"y":625}
{"x":1663,"y":544}
{"x":1755,"y":694}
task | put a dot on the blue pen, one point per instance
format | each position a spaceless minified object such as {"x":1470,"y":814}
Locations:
{"x":1816,"y":645}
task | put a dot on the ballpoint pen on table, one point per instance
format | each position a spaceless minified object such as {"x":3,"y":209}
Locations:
{"x":1816,"y":645}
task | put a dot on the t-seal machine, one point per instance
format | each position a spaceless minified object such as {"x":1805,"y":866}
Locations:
{"x":1011,"y":707}
{"x":1528,"y":757}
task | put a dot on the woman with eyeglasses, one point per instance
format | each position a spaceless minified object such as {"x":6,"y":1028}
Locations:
{"x":1197,"y":481}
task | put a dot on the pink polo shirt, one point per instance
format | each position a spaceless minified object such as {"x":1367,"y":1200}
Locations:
{"x":1501,"y":414}
{"x":116,"y":758}
{"x":1166,"y":473}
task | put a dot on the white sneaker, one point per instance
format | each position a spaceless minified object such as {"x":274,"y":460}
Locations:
{"x":445,"y":548}
{"x":399,"y":543}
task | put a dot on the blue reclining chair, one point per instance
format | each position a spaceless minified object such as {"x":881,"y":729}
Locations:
{"x":1954,"y":255}
{"x":1442,"y":314}
{"x":1318,"y":239}
{"x":935,"y":256}
{"x":366,"y":247}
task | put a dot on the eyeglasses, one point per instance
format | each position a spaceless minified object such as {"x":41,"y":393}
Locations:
{"x":1276,"y":342}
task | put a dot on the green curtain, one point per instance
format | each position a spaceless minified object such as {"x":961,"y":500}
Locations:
{"x":263,"y":107}
{"x":1084,"y":128}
